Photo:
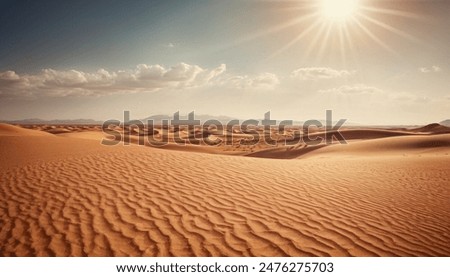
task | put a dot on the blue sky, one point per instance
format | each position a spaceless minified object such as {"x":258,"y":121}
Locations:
{"x":386,"y":62}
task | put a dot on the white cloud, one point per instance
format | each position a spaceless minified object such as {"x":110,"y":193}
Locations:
{"x":319,"y":73}
{"x":436,"y":68}
{"x":261,"y":81}
{"x":353,"y":89}
{"x":170,"y":45}
{"x":433,"y":68}
{"x":143,"y":78}
{"x":403,"y":97}
{"x":8,"y":75}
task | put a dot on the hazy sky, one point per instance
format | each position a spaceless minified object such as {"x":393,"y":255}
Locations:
{"x":370,"y":61}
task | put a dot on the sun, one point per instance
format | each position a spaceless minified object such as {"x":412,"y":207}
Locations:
{"x":339,"y":26}
{"x":339,"y":10}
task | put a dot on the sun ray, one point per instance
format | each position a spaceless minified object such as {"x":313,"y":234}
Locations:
{"x":348,"y":39}
{"x":389,"y":28}
{"x":272,"y":30}
{"x":342,"y":44}
{"x":278,"y":28}
{"x":392,"y":12}
{"x":332,"y":23}
{"x":324,"y":41}
{"x":316,"y":38}
{"x":296,"y":39}
{"x":373,"y":36}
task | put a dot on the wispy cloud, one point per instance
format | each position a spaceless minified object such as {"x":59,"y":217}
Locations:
{"x":319,"y":73}
{"x":353,"y":89}
{"x":143,"y":78}
{"x":431,"y":69}
{"x":261,"y":81}
{"x":409,"y":97}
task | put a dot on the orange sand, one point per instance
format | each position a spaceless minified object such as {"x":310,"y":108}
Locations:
{"x":64,"y":194}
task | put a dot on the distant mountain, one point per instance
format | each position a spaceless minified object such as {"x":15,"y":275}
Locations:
{"x":157,"y":119}
{"x":53,"y":122}
{"x":445,"y":122}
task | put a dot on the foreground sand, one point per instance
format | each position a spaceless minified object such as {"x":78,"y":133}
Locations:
{"x":63,"y":195}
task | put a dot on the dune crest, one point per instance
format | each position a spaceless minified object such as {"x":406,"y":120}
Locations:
{"x":11,"y":130}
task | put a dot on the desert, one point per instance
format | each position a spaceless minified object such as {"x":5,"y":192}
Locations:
{"x":384,"y":193}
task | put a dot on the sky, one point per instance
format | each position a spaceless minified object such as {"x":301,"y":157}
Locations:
{"x":369,"y":61}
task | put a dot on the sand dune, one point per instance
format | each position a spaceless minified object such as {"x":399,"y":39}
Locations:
{"x":436,"y":144}
{"x":412,"y":144}
{"x":10,"y":130}
{"x":91,"y":135}
{"x":365,"y":134}
{"x":21,"y":147}
{"x":286,"y":152}
{"x":74,"y":197}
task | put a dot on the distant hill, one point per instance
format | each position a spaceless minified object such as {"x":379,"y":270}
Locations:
{"x":157,"y":119}
{"x":53,"y":122}
{"x":433,"y":128}
{"x":445,"y":122}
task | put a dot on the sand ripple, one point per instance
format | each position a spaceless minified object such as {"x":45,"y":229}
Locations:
{"x":138,"y":201}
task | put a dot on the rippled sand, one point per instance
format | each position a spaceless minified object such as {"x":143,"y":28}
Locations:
{"x":66,"y":195}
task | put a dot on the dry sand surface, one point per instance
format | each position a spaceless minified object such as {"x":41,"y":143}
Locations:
{"x":386,"y":193}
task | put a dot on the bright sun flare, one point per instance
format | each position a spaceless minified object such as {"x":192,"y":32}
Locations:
{"x":339,"y":9}
{"x":331,"y":24}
